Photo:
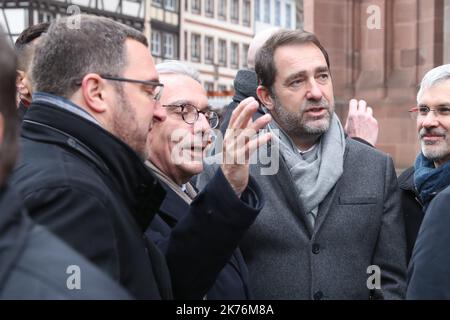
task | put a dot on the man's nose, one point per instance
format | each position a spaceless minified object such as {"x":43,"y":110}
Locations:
{"x":430,"y":120}
{"x":159,"y":113}
{"x":202,"y":124}
{"x":314,"y":91}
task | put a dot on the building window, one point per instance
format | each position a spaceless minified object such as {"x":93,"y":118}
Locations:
{"x":221,"y":88}
{"x":209,"y":86}
{"x":156,"y":43}
{"x":157,"y":3}
{"x":222,"y":53}
{"x":209,"y":8}
{"x":234,"y":55}
{"x":246,"y":13}
{"x":222,"y":9}
{"x":257,"y":10}
{"x":44,"y":16}
{"x":234,"y":11}
{"x":267,"y":11}
{"x":169,"y":46}
{"x":209,"y":50}
{"x":278,"y":13}
{"x":170,"y":5}
{"x":195,"y":47}
{"x":288,"y":16}
{"x":196,"y":6}
{"x":185,"y":46}
{"x":244,"y":55}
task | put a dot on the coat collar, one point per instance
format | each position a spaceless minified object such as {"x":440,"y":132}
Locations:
{"x":285,"y":181}
{"x":140,"y":190}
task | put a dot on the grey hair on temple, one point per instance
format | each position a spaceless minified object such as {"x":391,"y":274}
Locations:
{"x":432,"y":78}
{"x":177,"y":67}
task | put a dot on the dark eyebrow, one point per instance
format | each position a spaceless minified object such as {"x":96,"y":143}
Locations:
{"x":295,"y":76}
{"x":322,"y":69}
{"x":422,"y":105}
{"x":299,"y":74}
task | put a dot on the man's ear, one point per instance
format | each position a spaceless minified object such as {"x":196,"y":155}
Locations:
{"x":93,"y":91}
{"x":265,"y":97}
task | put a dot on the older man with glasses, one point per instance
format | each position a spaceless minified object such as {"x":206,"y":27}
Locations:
{"x":418,"y":183}
{"x":426,"y":191}
{"x":208,"y":264}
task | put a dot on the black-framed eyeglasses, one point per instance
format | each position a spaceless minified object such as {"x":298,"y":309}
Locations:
{"x":190,"y":114}
{"x":422,"y":111}
{"x":155,"y":88}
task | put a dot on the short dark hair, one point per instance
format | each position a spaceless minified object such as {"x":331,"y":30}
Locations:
{"x":65,"y":54}
{"x":264,"y":62}
{"x":9,"y":145}
{"x":24,"y":46}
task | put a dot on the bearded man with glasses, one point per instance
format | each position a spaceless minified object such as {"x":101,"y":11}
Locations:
{"x":207,"y":263}
{"x":82,"y":171}
{"x":426,"y":191}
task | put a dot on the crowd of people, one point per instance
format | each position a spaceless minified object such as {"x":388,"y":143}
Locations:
{"x":118,"y":168}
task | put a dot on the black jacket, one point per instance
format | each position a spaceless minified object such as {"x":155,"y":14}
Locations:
{"x":34,"y":263}
{"x":412,"y":208}
{"x":208,"y":261}
{"x":428,"y":274}
{"x":92,"y":191}
{"x":21,"y":110}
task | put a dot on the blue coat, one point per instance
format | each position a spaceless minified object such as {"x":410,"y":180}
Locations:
{"x":429,"y":272}
{"x":208,"y":262}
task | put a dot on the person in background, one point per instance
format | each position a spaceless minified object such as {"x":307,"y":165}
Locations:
{"x":24,"y":47}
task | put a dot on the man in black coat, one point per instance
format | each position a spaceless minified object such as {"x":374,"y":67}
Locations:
{"x":83,"y":145}
{"x":34,"y":263}
{"x":428,"y":184}
{"x":177,"y":148}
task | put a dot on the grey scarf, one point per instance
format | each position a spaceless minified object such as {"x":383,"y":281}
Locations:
{"x":315,"y":173}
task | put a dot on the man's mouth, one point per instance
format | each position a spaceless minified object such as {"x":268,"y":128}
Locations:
{"x":316,"y":111}
{"x":432,"y":137}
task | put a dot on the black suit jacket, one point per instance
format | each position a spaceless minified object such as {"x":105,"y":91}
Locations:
{"x":207,"y":260}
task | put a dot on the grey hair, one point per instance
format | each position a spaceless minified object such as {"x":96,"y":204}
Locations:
{"x":177,"y":67}
{"x":66,"y":54}
{"x":432,"y":78}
